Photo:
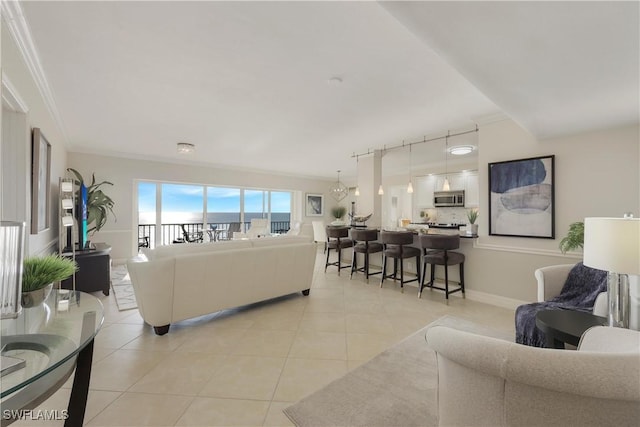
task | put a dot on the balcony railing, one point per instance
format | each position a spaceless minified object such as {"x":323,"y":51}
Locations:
{"x":172,"y":233}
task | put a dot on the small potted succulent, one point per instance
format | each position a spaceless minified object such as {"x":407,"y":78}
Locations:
{"x":472,"y":216}
{"x":338,"y":212}
{"x":39,"y":275}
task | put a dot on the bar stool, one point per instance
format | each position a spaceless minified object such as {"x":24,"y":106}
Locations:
{"x":396,"y":246}
{"x":364,"y":243}
{"x":437,"y":251}
{"x":337,"y":239}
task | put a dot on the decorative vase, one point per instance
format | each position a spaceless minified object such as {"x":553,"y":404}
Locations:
{"x":37,"y":297}
{"x":474,"y":229}
{"x":338,"y":222}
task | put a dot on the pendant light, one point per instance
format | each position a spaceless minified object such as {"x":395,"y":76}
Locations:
{"x":380,"y":190}
{"x":357,"y":192}
{"x":410,"y":186}
{"x":446,"y":186}
{"x":338,"y":190}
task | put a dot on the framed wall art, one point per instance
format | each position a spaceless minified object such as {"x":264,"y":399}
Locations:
{"x":40,"y":182}
{"x":314,"y":204}
{"x":522,"y":198}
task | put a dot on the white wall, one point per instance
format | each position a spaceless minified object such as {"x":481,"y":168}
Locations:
{"x":596,"y":174}
{"x":123,"y":173}
{"x":17,"y":144}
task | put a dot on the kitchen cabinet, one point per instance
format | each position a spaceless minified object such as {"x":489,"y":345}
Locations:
{"x":472,"y":190}
{"x":425,"y":186}
{"x":456,"y":181}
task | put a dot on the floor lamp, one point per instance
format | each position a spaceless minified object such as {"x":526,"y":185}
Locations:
{"x":613,"y":244}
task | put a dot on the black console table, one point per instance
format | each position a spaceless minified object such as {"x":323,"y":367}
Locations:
{"x":94,"y":269}
{"x":566,"y":326}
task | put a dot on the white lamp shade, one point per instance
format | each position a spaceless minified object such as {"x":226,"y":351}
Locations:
{"x":612,"y":244}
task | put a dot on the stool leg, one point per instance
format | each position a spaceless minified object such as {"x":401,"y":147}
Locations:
{"x":384,"y":269}
{"x":446,"y":281}
{"x":366,"y":266}
{"x":326,"y":264}
{"x":462,"y":277}
{"x":433,"y":275}
{"x":354,"y":264}
{"x":339,"y":258}
{"x":401,"y":261}
{"x":418,"y":268}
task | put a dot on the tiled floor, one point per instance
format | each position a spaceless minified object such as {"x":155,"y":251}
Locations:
{"x":242,"y":367}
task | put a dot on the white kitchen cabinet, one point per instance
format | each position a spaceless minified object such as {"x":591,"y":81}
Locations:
{"x":456,"y":181}
{"x":425,"y":186}
{"x":472,"y":190}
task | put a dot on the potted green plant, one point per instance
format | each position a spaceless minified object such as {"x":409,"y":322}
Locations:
{"x":338,"y":212}
{"x":472,"y":216}
{"x":99,"y":205}
{"x":574,"y":238}
{"x":39,"y":275}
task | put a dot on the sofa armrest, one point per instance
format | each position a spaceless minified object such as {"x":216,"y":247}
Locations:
{"x":600,"y":306}
{"x":610,"y":340}
{"x":551,"y":279}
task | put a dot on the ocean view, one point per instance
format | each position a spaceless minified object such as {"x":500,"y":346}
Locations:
{"x":148,"y":218}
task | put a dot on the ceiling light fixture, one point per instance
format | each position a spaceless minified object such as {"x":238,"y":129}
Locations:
{"x":445,"y":185}
{"x":185,"y":148}
{"x":461,"y":150}
{"x":334,"y":81}
{"x":357,"y":192}
{"x":338,"y":190}
{"x":380,"y":190}
{"x":410,"y":186}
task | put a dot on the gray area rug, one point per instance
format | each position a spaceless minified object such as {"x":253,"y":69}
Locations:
{"x":395,"y":388}
{"x":122,"y":288}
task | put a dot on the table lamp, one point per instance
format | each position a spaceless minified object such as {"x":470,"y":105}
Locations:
{"x":613,"y":244}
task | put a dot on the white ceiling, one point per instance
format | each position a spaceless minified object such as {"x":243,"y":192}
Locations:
{"x":247,"y":82}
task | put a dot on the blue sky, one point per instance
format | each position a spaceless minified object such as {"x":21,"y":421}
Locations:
{"x":188,"y":198}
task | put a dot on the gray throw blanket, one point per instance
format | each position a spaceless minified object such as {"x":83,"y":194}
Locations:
{"x":578,"y":293}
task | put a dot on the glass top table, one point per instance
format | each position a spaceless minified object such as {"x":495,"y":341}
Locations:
{"x":52,"y":339}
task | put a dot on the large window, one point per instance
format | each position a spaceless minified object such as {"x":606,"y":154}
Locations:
{"x":167,"y":211}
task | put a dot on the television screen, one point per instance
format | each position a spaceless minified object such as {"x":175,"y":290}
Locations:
{"x":82,"y":216}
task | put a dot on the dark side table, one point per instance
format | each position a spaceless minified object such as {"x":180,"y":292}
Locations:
{"x":94,"y":269}
{"x":566,"y":326}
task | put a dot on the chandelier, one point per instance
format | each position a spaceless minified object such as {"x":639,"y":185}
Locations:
{"x":338,"y":190}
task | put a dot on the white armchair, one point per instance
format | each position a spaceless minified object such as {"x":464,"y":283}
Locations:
{"x":551,"y":279}
{"x":320,"y":232}
{"x":493,"y":382}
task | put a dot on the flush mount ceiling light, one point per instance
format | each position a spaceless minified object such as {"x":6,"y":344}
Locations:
{"x":185,"y":148}
{"x":334,"y":81}
{"x":461,"y":150}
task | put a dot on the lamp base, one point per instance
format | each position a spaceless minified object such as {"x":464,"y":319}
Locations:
{"x":618,"y":299}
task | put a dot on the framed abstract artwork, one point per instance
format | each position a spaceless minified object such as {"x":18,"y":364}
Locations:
{"x":314,"y":204}
{"x":40,"y":182}
{"x":522,"y":198}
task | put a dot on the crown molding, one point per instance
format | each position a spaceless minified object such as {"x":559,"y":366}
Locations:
{"x":11,"y":97}
{"x":18,"y":27}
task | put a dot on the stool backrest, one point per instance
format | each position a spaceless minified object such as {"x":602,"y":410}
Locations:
{"x":364,"y":235}
{"x":440,"y":241}
{"x":397,"y":237}
{"x":337,"y":232}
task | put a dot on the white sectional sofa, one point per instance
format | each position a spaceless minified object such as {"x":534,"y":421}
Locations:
{"x":178,"y":282}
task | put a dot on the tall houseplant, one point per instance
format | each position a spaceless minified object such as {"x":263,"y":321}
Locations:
{"x":99,"y":205}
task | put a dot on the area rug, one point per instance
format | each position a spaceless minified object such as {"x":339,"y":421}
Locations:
{"x":395,"y":388}
{"x":122,"y":288}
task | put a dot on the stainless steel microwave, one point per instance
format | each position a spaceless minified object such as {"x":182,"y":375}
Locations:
{"x":448,"y":198}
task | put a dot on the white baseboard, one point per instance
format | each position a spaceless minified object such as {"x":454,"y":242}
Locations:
{"x":493,"y":299}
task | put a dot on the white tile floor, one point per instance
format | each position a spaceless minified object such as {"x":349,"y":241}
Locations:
{"x":242,"y":367}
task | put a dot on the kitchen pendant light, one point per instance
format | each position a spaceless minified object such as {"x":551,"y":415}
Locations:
{"x":445,"y":185}
{"x":338,"y":190}
{"x":410,"y":186}
{"x":357,"y":192}
{"x":380,"y":190}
